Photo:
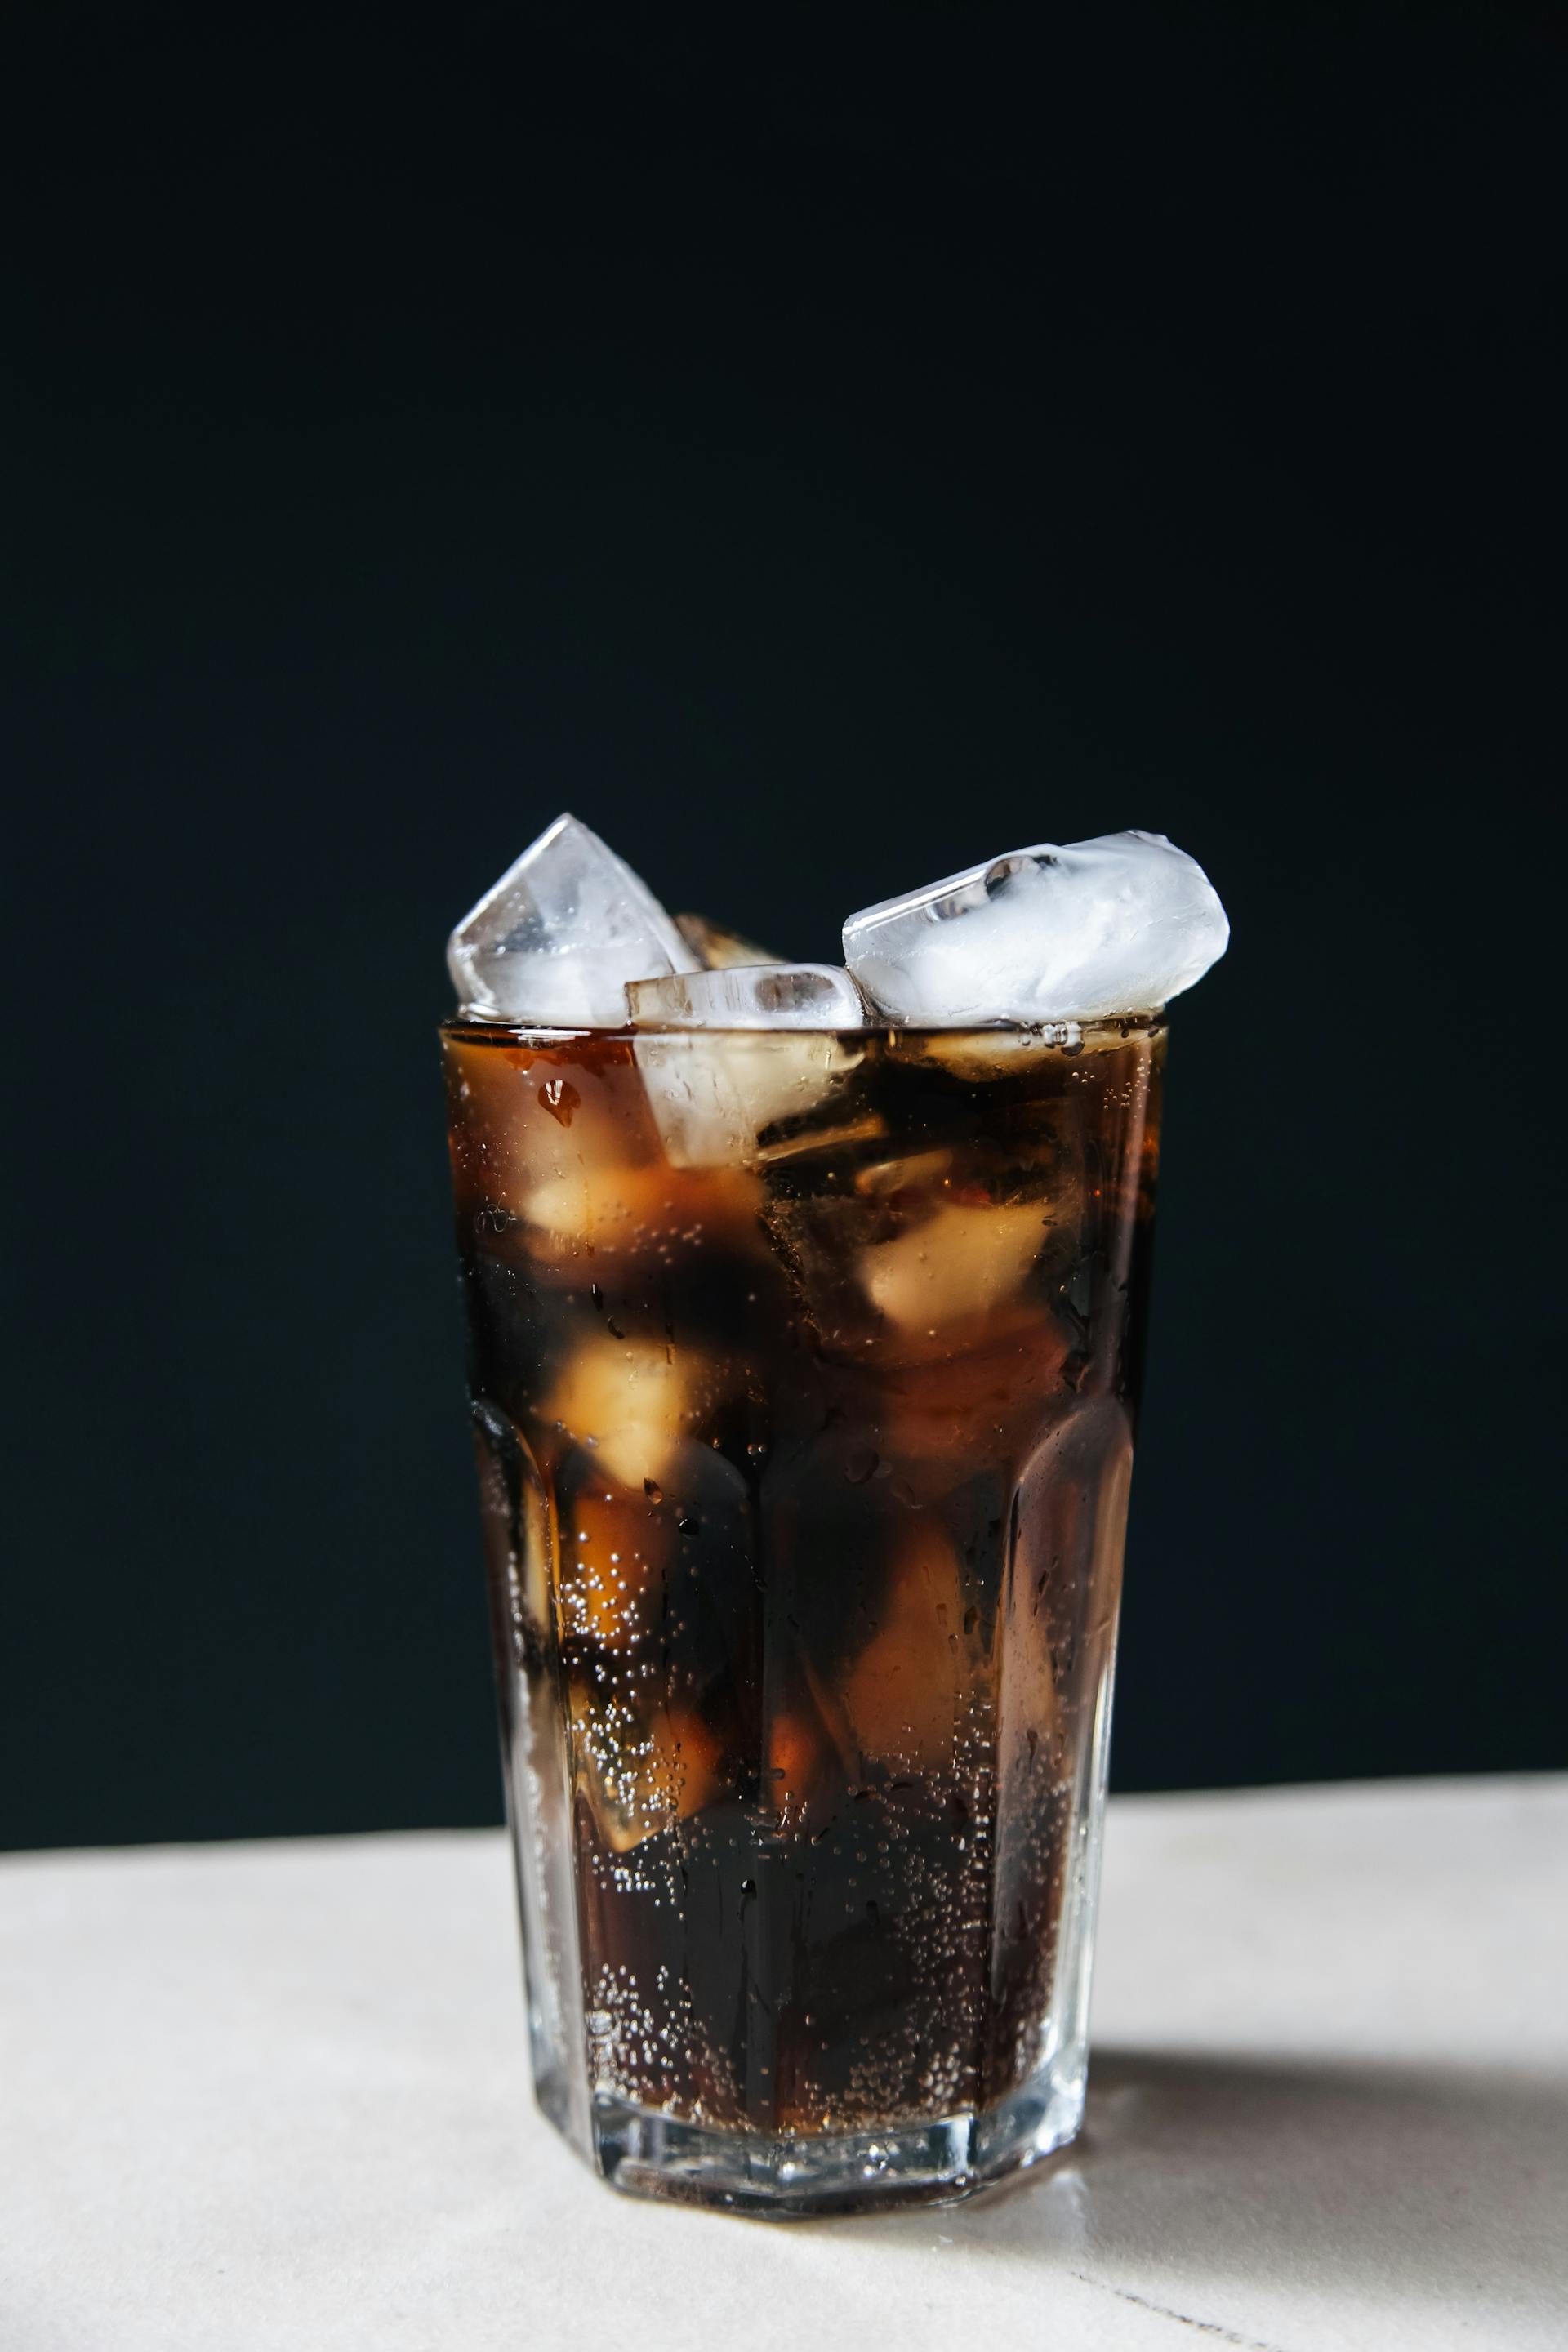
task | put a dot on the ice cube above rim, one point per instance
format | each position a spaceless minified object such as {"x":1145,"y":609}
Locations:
{"x":557,"y":937}
{"x":750,"y":996}
{"x":1118,"y":924}
{"x":570,"y":937}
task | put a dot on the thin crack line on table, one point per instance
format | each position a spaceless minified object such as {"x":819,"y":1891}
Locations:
{"x":1167,"y":2311}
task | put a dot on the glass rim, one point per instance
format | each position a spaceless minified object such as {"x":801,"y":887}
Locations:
{"x":466,"y":1022}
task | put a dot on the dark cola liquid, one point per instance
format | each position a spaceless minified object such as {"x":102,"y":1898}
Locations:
{"x":802,"y":1374}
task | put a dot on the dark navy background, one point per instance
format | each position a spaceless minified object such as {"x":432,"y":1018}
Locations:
{"x":820,"y":448}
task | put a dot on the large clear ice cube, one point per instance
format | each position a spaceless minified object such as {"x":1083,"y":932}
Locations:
{"x":750,"y":996}
{"x":555,"y":940}
{"x":1118,"y":924}
{"x":731,"y":1098}
{"x":726,"y":1055}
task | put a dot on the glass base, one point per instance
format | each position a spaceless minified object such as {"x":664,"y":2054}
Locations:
{"x":782,"y":2179}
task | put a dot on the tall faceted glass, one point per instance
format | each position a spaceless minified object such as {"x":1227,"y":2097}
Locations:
{"x":803,"y":1368}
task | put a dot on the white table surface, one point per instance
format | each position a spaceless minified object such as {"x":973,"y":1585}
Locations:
{"x":276,"y":2096}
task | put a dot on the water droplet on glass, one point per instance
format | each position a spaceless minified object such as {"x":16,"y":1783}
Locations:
{"x":560,"y":1097}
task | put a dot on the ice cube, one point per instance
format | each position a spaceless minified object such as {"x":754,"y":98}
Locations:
{"x":640,"y":1773}
{"x":718,"y":949}
{"x":626,"y":1215}
{"x":725,"y":1055}
{"x":981,"y":1056}
{"x":750,"y":996}
{"x":959,"y":1262}
{"x":613,"y":1542}
{"x":908,"y":1692}
{"x":555,"y":940}
{"x":713,"y":1092}
{"x":1115,"y":925}
{"x":629,"y":1401}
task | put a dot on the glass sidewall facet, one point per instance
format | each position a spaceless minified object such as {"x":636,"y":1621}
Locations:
{"x":803,"y":1464}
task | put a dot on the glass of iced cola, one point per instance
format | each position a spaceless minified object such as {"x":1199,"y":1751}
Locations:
{"x":805,"y":1342}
